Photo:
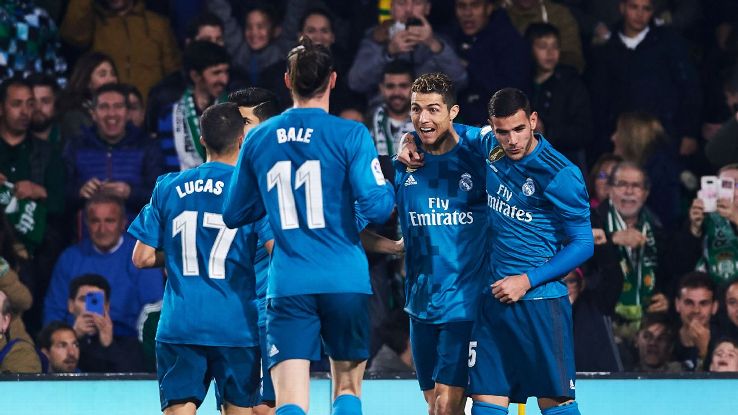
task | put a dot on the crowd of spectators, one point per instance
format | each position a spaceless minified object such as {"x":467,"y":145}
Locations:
{"x":100,"y":97}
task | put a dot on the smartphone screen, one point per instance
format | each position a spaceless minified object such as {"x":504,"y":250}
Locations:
{"x":94,"y":302}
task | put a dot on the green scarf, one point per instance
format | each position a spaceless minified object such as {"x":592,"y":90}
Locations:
{"x":638,"y":266}
{"x":192,"y":121}
{"x":720,"y":249}
{"x":27,"y":217}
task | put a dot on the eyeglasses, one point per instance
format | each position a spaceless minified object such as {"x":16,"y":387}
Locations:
{"x":629,"y":185}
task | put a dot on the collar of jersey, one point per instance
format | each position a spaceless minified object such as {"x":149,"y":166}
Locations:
{"x":449,"y":153}
{"x":538,"y":149}
{"x":306,"y":110}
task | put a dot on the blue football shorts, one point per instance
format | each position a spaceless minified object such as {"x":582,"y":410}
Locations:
{"x":185,"y":371}
{"x":523,"y":349}
{"x":297,"y":324}
{"x":441,"y":352}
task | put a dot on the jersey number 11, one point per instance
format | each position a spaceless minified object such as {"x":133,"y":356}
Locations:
{"x":280,"y":175}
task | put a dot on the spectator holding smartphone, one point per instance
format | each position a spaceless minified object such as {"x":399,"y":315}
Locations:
{"x":100,"y":350}
{"x":407,"y":36}
{"x":710,"y":243}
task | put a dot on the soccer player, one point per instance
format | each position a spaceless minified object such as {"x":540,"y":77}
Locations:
{"x":257,"y":105}
{"x":539,"y":228}
{"x":442,"y":209}
{"x":306,"y":168}
{"x":208,"y":326}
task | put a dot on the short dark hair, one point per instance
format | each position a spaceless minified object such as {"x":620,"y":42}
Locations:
{"x":696,"y":279}
{"x":93,"y":280}
{"x":117,"y":88}
{"x":399,"y":67}
{"x":221,"y":126}
{"x":650,"y":319}
{"x":263,"y":101}
{"x":43,"y":340}
{"x":106,"y":197}
{"x":12,"y":81}
{"x":317,"y":11}
{"x":508,"y":101}
{"x":625,"y":164}
{"x":539,"y":30}
{"x":132,"y":90}
{"x":309,"y":67}
{"x":42,"y":79}
{"x":200,"y":55}
{"x":436,"y":83}
{"x":395,"y":330}
{"x":201,"y":20}
{"x":266,"y":8}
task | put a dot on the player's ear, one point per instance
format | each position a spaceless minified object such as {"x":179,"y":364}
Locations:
{"x":453,"y":111}
{"x":287,"y":81}
{"x":332,"y":81}
{"x":202,"y":143}
{"x":533,"y":120}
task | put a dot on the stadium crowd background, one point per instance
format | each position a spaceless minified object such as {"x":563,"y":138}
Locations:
{"x":99,"y":97}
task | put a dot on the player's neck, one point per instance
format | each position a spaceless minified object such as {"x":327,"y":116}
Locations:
{"x":444,"y":144}
{"x":321,"y":101}
{"x":230,"y":159}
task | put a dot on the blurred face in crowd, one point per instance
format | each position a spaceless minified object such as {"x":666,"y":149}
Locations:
{"x":733,"y":174}
{"x":724,"y":358}
{"x":4,"y":318}
{"x":404,"y":9}
{"x":119,"y":5}
{"x":573,"y":285}
{"x":395,"y":89}
{"x":136,"y":110}
{"x":212,"y":34}
{"x":318,"y":28}
{"x":515,"y":133}
{"x":106,"y":224}
{"x":17,"y":109}
{"x":731,"y":303}
{"x":64,"y":351}
{"x":77,"y":305}
{"x":696,"y":304}
{"x":546,"y":52}
{"x":212,"y":81}
{"x":636,"y":15}
{"x":44,"y":110}
{"x":601,"y":184}
{"x":432,"y":118}
{"x":259,"y":30}
{"x":110,"y":115}
{"x":654,"y":345}
{"x":102,"y":75}
{"x":473,"y":15}
{"x":352,"y":114}
{"x":628,"y":192}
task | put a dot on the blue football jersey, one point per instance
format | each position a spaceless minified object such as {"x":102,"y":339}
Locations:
{"x":536,"y":206}
{"x":306,"y":168}
{"x":443,"y":214}
{"x":209,"y":295}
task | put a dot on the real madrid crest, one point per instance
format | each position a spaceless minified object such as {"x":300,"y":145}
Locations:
{"x":529,"y":187}
{"x":495,"y":154}
{"x":465,"y":183}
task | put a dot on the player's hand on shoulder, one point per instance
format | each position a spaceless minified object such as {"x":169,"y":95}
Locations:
{"x":511,"y":288}
{"x":408,"y":153}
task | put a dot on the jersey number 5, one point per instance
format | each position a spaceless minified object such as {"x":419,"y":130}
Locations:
{"x":186,"y":224}
{"x":280,"y":175}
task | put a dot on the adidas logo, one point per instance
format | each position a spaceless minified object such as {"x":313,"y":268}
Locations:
{"x":410,"y":181}
{"x":273,"y":351}
{"x":571,"y":384}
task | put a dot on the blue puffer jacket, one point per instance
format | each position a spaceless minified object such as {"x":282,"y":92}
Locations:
{"x":135,"y":160}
